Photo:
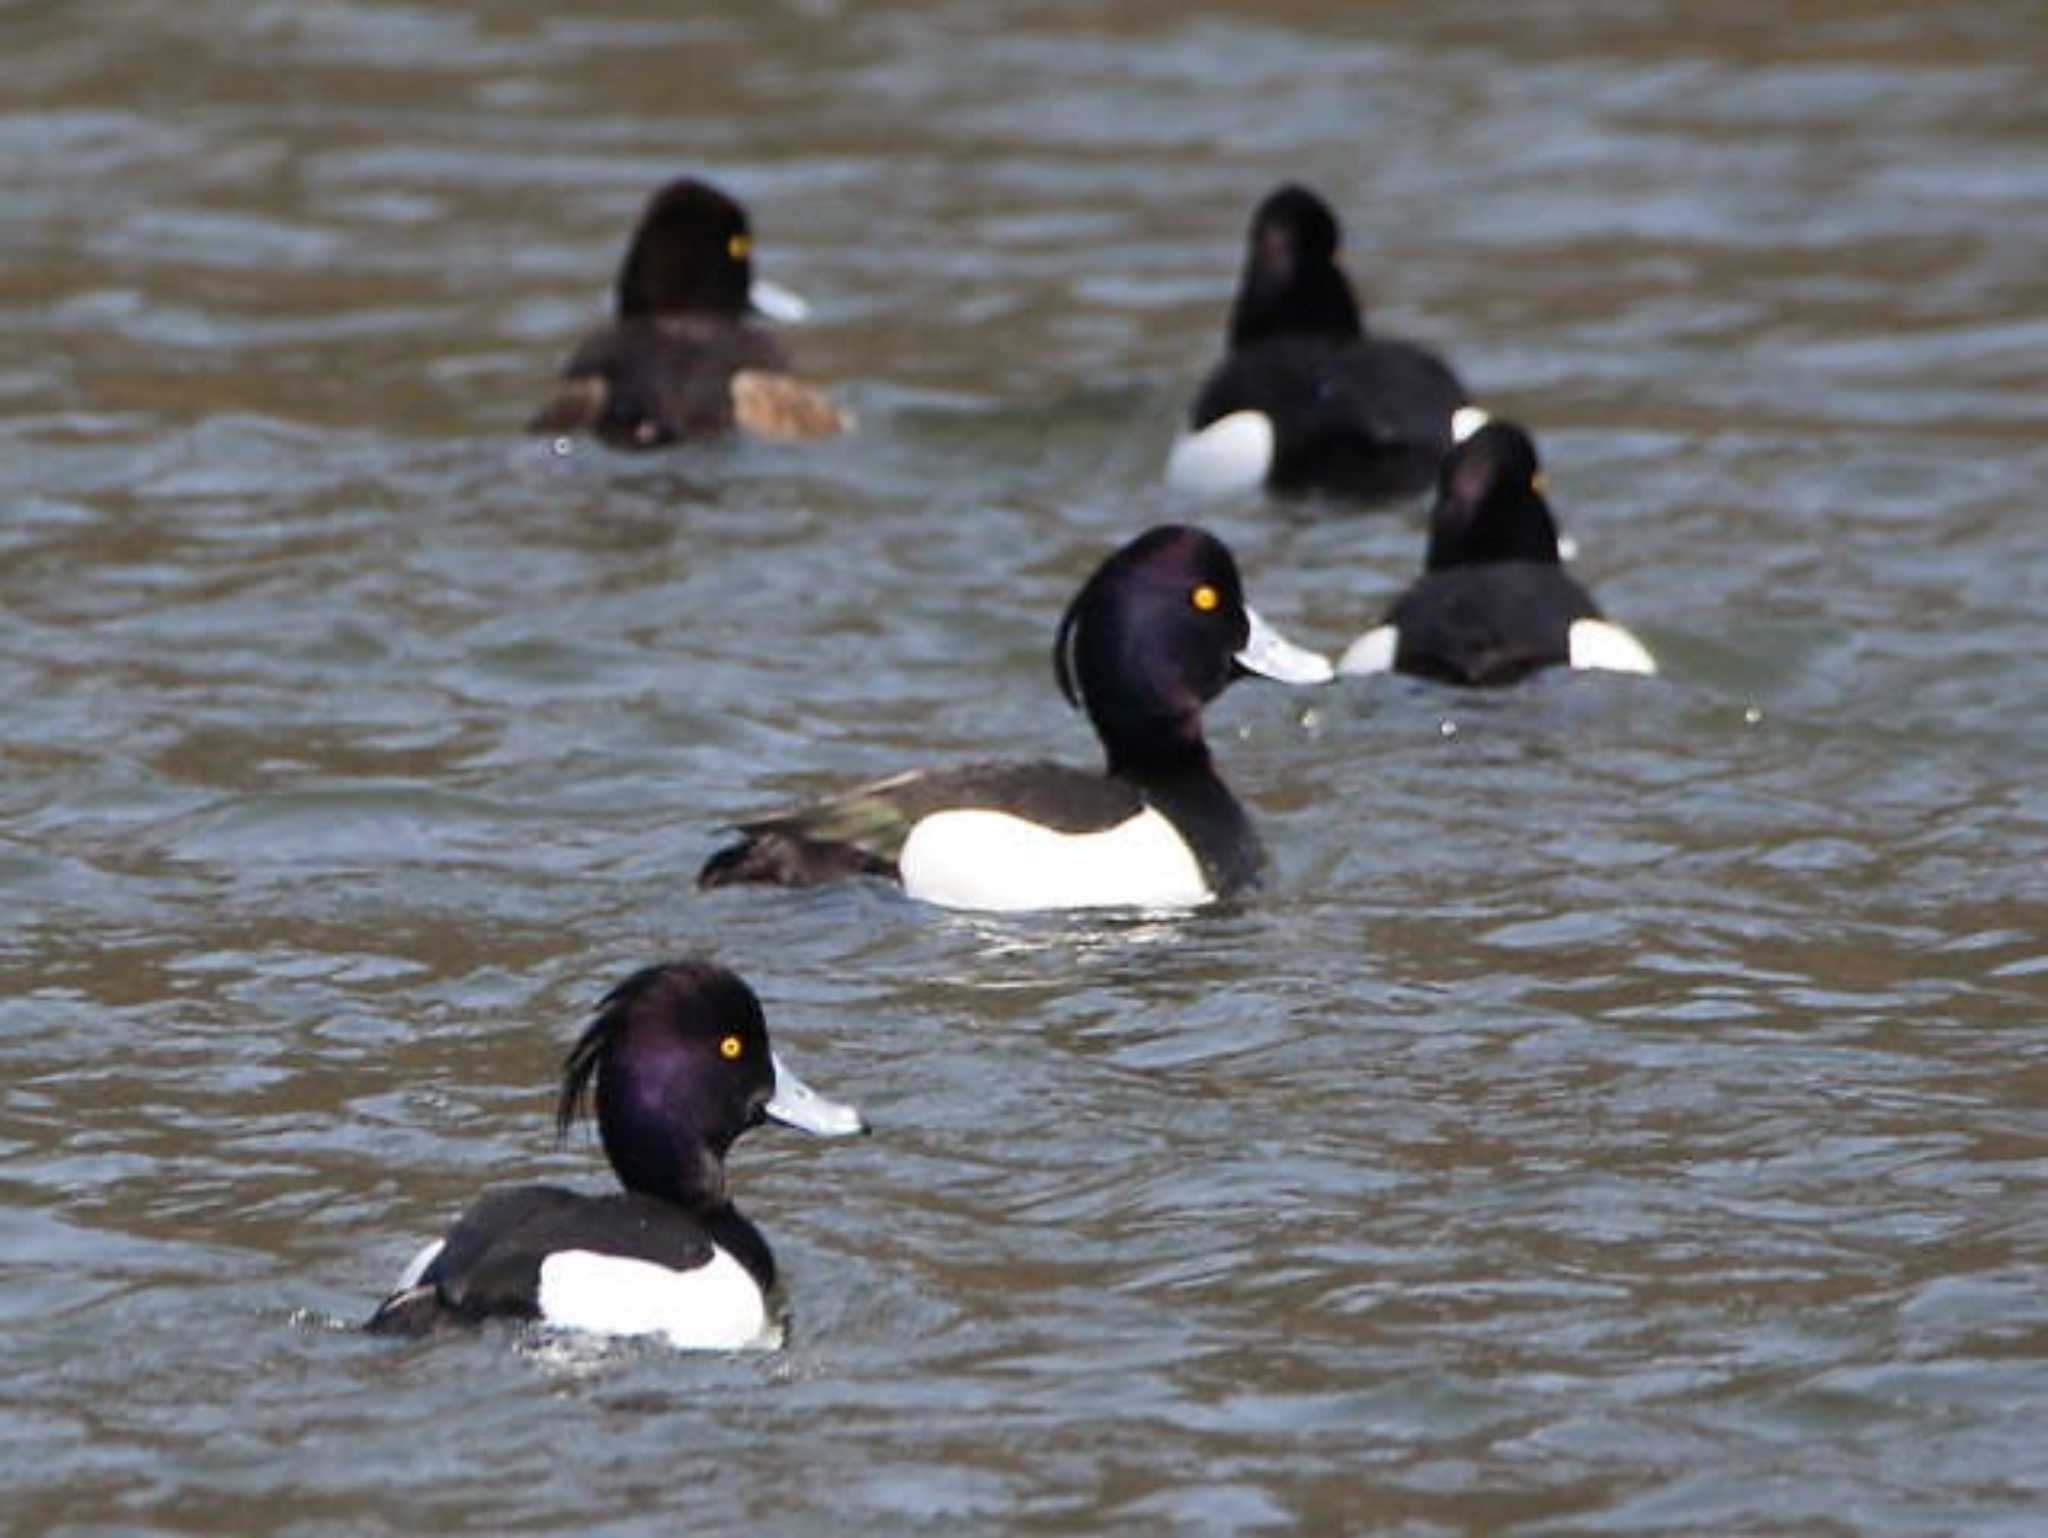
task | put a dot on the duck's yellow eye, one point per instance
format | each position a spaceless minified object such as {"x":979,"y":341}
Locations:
{"x":738,"y":247}
{"x":730,"y":1048}
{"x":1205,"y":598}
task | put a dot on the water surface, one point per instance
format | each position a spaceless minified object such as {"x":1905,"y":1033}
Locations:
{"x":1626,"y":1111}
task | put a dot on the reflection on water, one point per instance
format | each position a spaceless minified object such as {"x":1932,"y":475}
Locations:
{"x":1621,"y":1113}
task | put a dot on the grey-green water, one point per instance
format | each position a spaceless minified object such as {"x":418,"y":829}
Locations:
{"x":1626,"y":1112}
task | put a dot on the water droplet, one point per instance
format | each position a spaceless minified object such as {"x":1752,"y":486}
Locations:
{"x":1447,"y":728}
{"x":1752,"y":714}
{"x":563,"y":447}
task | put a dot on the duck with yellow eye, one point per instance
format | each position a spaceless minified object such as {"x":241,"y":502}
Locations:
{"x":1153,"y":636}
{"x":679,"y":1060}
{"x":1494,"y":602}
{"x":686,"y":356}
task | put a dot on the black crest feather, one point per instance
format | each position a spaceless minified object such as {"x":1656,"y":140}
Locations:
{"x":579,"y":1068}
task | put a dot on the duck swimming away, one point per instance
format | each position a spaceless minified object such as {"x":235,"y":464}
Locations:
{"x":1494,"y":602}
{"x":685,"y":356}
{"x":1305,"y":401}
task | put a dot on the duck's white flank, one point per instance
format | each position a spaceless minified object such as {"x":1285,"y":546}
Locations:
{"x":1233,"y":453}
{"x":716,"y":1307}
{"x":999,"y":863}
{"x":1466,"y":421}
{"x":1372,"y":652}
{"x":417,"y":1266}
{"x":1597,"y":644}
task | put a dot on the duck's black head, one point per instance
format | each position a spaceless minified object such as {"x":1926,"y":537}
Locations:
{"x":1160,"y":630}
{"x":680,"y":1056}
{"x":1291,"y":285}
{"x":1489,"y":502}
{"x":692,"y":250}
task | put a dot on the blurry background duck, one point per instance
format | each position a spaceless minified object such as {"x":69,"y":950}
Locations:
{"x":679,"y":1058}
{"x":1304,"y":400}
{"x":687,"y":354}
{"x":1494,"y":602}
{"x":1156,"y":633}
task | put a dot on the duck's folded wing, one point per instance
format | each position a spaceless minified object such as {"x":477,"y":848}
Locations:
{"x":648,"y":382}
{"x":577,"y":406}
{"x":490,"y":1264}
{"x":607,"y":386}
{"x":862,"y":831}
{"x":446,"y":1287}
{"x":774,"y":405}
{"x":1369,"y":418}
{"x":1488,"y":624}
{"x":1399,"y":392}
{"x":504,"y":1276}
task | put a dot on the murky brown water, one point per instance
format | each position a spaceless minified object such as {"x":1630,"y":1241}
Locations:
{"x":1626,"y":1113}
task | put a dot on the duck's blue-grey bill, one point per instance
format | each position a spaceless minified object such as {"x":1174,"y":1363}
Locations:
{"x":1269,"y":654}
{"x":777,"y":302}
{"x":796,"y":1104}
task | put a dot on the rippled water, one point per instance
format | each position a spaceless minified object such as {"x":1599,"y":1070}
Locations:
{"x":1625,"y":1112}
